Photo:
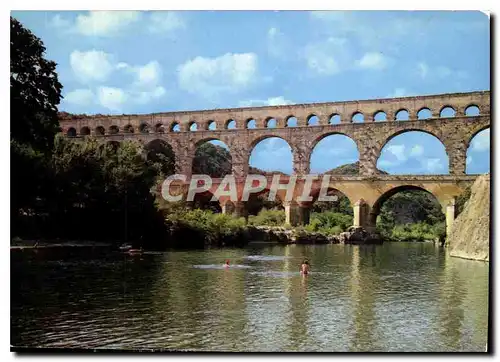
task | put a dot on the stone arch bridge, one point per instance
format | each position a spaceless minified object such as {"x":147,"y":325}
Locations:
{"x":445,"y":116}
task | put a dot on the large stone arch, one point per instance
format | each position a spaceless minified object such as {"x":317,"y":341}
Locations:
{"x":157,"y":144}
{"x":312,"y":145}
{"x":206,"y":139}
{"x":474,"y":133}
{"x":382,"y":142}
{"x":256,"y":140}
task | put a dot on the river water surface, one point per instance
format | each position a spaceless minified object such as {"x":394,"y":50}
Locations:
{"x":393,"y":297}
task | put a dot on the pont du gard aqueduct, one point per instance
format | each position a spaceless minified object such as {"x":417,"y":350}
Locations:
{"x":447,"y":117}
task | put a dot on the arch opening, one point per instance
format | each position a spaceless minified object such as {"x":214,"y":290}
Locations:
{"x":85,"y":131}
{"x":402,"y":115}
{"x":358,"y":117}
{"x":128,"y":129}
{"x":291,"y":121}
{"x":331,"y":217}
{"x":413,"y":152}
{"x":71,"y":132}
{"x":447,"y":112}
{"x":335,"y":154}
{"x":231,"y":124}
{"x":144,"y":128}
{"x":271,"y":123}
{"x":408,"y":213}
{"x":114,"y":130}
{"x":100,"y":131}
{"x":270,"y":155}
{"x":472,"y":111}
{"x":424,"y":113}
{"x":380,"y":116}
{"x":193,"y":127}
{"x":478,"y":153}
{"x":251,"y":123}
{"x":213,"y":158}
{"x":313,"y":120}
{"x":212,"y":125}
{"x":335,"y":119}
{"x":161,"y":154}
{"x":159,"y":128}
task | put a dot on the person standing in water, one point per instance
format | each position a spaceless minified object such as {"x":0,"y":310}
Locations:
{"x":226,"y":264}
{"x":304,"y":268}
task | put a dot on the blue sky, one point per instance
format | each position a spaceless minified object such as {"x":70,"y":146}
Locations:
{"x":142,"y":62}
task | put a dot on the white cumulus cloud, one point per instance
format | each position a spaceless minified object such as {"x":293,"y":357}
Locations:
{"x":373,"y":60}
{"x":416,"y":151}
{"x":91,"y":65}
{"x":112,"y":98}
{"x":80,"y":97}
{"x":326,"y":57}
{"x":272,"y":101}
{"x":105,"y":23}
{"x":398,"y":151}
{"x":432,"y":164}
{"x":165,"y":22}
{"x":210,"y":76}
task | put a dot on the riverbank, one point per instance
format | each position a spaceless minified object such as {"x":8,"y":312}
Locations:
{"x":19,"y":244}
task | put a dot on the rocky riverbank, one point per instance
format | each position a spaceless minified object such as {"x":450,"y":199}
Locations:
{"x":300,"y":236}
{"x":470,"y":234}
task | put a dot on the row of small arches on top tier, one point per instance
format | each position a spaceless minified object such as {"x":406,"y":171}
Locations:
{"x":312,"y":120}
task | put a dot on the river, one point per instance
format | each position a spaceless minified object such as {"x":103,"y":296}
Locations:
{"x":393,"y":297}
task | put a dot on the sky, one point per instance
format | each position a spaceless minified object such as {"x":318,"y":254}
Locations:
{"x":142,"y":62}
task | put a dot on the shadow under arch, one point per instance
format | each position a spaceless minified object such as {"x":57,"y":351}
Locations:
{"x":342,"y":204}
{"x":377,"y":206}
{"x":204,"y":201}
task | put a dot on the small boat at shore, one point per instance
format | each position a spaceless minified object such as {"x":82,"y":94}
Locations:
{"x":135,"y":251}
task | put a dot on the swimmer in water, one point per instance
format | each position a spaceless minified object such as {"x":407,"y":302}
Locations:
{"x":226,"y":264}
{"x":304,"y":268}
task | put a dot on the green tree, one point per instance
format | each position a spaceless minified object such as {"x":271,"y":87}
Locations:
{"x":35,"y":90}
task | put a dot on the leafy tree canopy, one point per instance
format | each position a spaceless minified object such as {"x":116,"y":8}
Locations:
{"x":35,"y":90}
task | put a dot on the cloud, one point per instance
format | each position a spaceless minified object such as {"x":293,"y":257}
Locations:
{"x":105,"y":23}
{"x":97,"y":66}
{"x":148,"y":75}
{"x":399,"y":92}
{"x":440,"y":72}
{"x":481,"y":142}
{"x":80,"y":97}
{"x":416,"y":151}
{"x":210,"y":76}
{"x":278,"y":45}
{"x":59,"y":22}
{"x":144,"y":97}
{"x":373,"y":60}
{"x":112,"y":98}
{"x":91,"y":66}
{"x":398,"y":151}
{"x":432,"y":164}
{"x":165,"y":22}
{"x":326,"y":57}
{"x":272,"y":101}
